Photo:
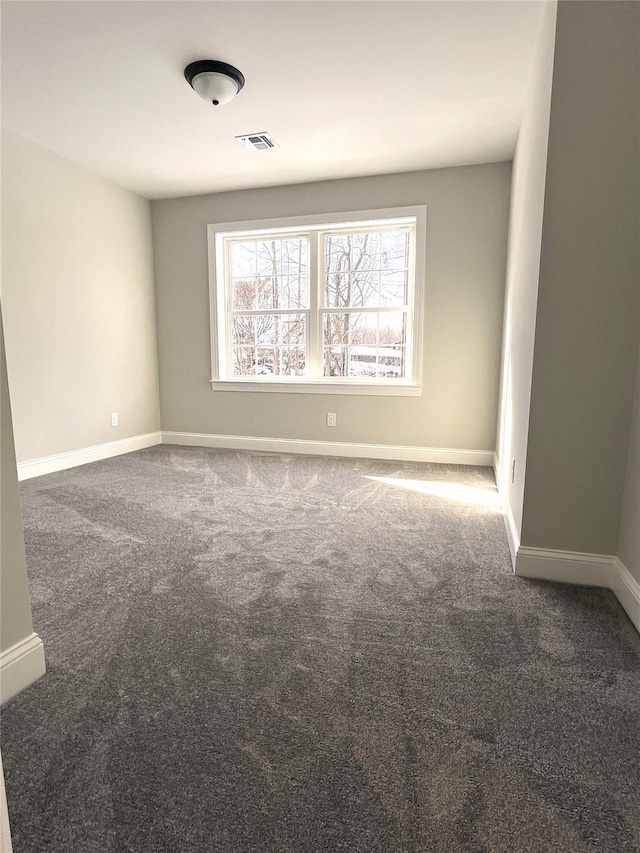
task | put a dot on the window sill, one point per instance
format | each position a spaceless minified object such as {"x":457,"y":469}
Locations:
{"x":317,"y":387}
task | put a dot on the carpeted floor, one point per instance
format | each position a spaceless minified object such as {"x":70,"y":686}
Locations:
{"x":286,"y":654}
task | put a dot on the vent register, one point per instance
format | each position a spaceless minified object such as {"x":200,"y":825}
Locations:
{"x":261,"y":141}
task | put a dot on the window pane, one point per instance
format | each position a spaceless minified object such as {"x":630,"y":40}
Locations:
{"x":269,"y":274}
{"x":362,"y":361}
{"x":244,"y":260}
{"x":291,"y":329}
{"x":365,"y":289}
{"x":268,"y":329}
{"x":292,"y":361}
{"x":294,"y":291}
{"x":395,"y":250}
{"x":243,"y":359}
{"x":265,"y":361}
{"x":394,"y":288}
{"x":243,"y":330}
{"x":392,"y":329}
{"x":337,"y":290}
{"x":244,"y":294}
{"x":336,"y":328}
{"x":391,"y":362}
{"x":336,"y":361}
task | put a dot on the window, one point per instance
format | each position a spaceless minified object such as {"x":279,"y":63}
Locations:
{"x":320,"y":304}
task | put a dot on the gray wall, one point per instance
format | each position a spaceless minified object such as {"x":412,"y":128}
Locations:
{"x":15,"y":606}
{"x":466,"y":254}
{"x":629,"y":544}
{"x":77,"y":281}
{"x":523,"y":267}
{"x":586,"y":340}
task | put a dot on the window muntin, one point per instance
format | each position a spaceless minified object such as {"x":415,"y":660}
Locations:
{"x":328,"y":304}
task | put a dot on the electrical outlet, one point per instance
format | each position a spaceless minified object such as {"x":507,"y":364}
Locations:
{"x":114,"y":419}
{"x":513,"y":471}
{"x":331,"y":419}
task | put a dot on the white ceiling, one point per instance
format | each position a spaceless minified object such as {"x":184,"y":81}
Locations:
{"x":345,"y":88}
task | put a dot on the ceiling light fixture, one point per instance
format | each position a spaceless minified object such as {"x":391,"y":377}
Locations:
{"x":214,"y":81}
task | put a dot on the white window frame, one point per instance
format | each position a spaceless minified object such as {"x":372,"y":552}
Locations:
{"x":219,"y":236}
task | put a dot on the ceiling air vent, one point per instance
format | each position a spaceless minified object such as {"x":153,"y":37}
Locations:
{"x":257,"y":141}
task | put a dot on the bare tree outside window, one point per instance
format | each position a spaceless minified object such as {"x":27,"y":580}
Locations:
{"x":269,"y":277}
{"x":368,"y":271}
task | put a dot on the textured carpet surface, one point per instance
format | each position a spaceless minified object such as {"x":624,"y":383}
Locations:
{"x":288,"y":654}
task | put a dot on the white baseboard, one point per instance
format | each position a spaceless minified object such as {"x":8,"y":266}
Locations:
{"x":627,"y":590}
{"x":565,"y":566}
{"x":62,"y":461}
{"x":331,"y":448}
{"x":21,"y":665}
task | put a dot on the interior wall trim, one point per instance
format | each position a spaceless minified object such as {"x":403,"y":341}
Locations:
{"x":332,"y":448}
{"x":627,"y":590}
{"x":21,"y":665}
{"x":71,"y":458}
{"x":585,"y":569}
{"x":565,"y":566}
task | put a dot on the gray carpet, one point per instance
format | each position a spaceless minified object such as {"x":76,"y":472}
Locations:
{"x":284,"y":654}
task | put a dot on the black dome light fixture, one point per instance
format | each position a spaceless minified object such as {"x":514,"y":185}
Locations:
{"x":216,"y":82}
